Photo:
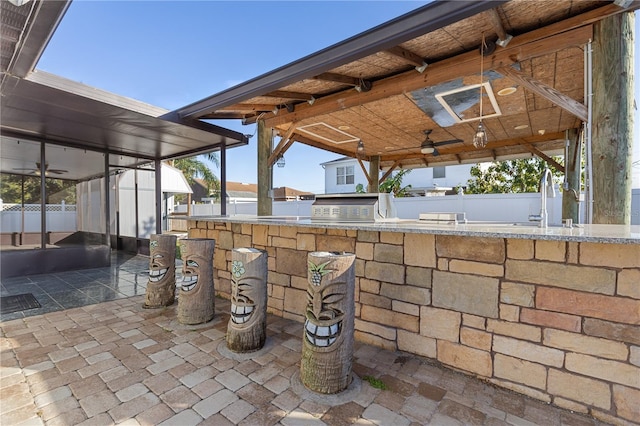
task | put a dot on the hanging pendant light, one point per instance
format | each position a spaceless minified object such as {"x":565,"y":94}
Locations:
{"x":480,"y":137}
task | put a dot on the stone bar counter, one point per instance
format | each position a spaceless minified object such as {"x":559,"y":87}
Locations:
{"x":550,"y":313}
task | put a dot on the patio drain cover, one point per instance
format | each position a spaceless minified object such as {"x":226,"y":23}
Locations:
{"x":18,"y":302}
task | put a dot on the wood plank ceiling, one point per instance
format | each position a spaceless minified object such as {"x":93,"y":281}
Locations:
{"x":533,"y":66}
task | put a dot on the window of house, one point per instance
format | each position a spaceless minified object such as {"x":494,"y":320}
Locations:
{"x":344,"y":175}
{"x":439,"y":172}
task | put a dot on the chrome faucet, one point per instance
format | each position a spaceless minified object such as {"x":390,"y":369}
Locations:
{"x":546,"y":185}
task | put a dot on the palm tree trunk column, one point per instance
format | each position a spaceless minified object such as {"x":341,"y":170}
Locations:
{"x":327,"y":342}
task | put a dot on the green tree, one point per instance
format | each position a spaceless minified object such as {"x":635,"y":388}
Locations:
{"x":393,"y":184}
{"x":193,"y":169}
{"x":513,"y":176}
{"x":57,"y":190}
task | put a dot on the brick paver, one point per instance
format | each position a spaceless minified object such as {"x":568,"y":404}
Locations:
{"x":116,"y":363}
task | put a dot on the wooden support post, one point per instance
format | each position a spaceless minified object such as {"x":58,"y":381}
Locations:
{"x":572,"y":170}
{"x":247,"y":328}
{"x":161,"y":286}
{"x":327,"y":342}
{"x":612,"y":124}
{"x":374,"y":174}
{"x":265,"y":171}
{"x":196,"y":298}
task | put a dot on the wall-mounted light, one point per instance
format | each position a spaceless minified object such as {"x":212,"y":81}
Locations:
{"x":312,"y":100}
{"x":280,"y":161}
{"x":18,"y":2}
{"x":275,"y":111}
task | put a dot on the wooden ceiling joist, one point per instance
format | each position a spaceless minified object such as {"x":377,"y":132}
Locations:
{"x":407,"y":55}
{"x":520,"y":48}
{"x":391,"y":169}
{"x":250,"y":107}
{"x":559,"y":167}
{"x":283,"y":145}
{"x":492,"y":145}
{"x":297,"y":137}
{"x":494,"y":19}
{"x":570,"y":105}
{"x":291,"y":95}
{"x":338,"y":78}
{"x":364,"y":170}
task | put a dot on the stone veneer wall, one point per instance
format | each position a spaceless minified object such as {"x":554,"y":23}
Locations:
{"x":557,"y":321}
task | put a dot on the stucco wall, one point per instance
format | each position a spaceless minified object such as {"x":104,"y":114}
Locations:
{"x":557,"y":321}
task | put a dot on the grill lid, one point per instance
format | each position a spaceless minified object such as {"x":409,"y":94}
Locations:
{"x":352,"y":207}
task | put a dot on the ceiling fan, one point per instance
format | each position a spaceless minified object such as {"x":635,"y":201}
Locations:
{"x":430,"y":147}
{"x":47,"y":170}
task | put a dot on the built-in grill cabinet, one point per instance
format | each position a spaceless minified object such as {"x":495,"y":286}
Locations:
{"x":353,"y":207}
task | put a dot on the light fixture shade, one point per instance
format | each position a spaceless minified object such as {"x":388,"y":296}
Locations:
{"x":360,"y":148}
{"x":280,"y":161}
{"x":427,"y":148}
{"x":480,"y":138}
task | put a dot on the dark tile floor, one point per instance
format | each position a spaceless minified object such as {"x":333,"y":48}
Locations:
{"x":127,"y":276}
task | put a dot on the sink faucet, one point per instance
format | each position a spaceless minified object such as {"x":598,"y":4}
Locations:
{"x":546,"y":183}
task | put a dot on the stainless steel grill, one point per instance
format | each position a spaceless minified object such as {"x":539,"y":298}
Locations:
{"x":353,"y":207}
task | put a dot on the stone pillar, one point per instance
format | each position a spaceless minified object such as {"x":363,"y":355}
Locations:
{"x":161,"y":286}
{"x":327,"y":343}
{"x":196,"y":301}
{"x":247,"y":328}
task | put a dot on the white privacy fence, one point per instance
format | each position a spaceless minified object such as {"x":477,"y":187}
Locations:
{"x":487,"y":207}
{"x":478,"y":207}
{"x":60,"y":217}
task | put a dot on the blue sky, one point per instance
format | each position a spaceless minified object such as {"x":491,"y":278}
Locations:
{"x":172,"y":53}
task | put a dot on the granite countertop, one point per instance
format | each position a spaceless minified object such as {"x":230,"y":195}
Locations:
{"x":616,"y":234}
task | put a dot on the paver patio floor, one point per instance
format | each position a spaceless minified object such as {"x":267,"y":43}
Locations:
{"x":117,"y":363}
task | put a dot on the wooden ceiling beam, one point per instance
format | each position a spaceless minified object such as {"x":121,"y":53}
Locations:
{"x":532,"y":149}
{"x":338,"y":78}
{"x":492,"y":145}
{"x":565,"y":102}
{"x":297,"y":137}
{"x":364,"y":169}
{"x":407,"y":55}
{"x":282,"y":146}
{"x":249,"y":107}
{"x":290,"y":95}
{"x":521,"y":48}
{"x":495,"y":21}
{"x":391,"y":169}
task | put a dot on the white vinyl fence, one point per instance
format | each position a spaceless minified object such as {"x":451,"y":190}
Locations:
{"x":484,"y":207}
{"x":488,"y":207}
{"x":60,"y":217}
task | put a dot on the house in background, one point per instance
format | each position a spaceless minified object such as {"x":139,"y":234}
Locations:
{"x":245,"y":192}
{"x":344,"y":174}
